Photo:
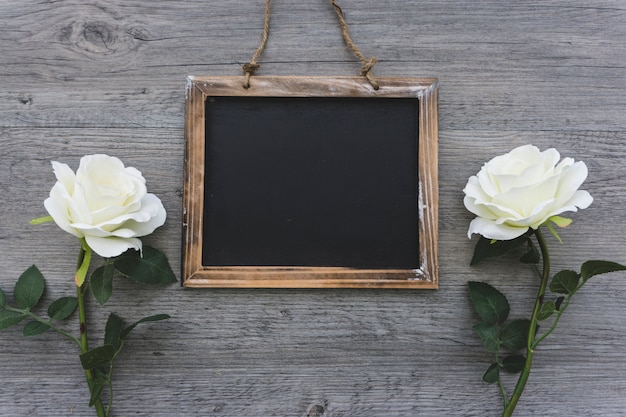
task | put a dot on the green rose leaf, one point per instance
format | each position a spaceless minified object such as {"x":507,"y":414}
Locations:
{"x":156,"y":317}
{"x":513,"y":364}
{"x":62,"y":308}
{"x":487,"y":248}
{"x":98,"y":384}
{"x":97,"y":356}
{"x":591,"y":268}
{"x":565,"y":282}
{"x":151,"y":268}
{"x":3,"y":299}
{"x":490,"y":304}
{"x":558,"y":302}
{"x":113,"y":331}
{"x":489,"y":334}
{"x":9,"y":318}
{"x":547,"y":309}
{"x":492,"y":375}
{"x":515,"y":334}
{"x":34,"y":328}
{"x":29,"y":288}
{"x":532,"y":256}
{"x":102,"y":283}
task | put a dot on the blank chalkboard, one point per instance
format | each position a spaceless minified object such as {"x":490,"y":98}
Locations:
{"x":310,"y":182}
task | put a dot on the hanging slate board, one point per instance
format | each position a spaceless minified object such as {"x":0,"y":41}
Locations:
{"x":310,"y":182}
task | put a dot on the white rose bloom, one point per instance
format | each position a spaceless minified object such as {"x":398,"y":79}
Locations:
{"x":523,"y":189}
{"x":105,"y":203}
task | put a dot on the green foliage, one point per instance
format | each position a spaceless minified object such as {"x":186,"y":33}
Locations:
{"x":558,"y":302}
{"x":156,"y":317}
{"x":97,"y":356}
{"x":100,"y":380}
{"x":102,"y":283}
{"x":113,"y":331}
{"x":495,"y":332}
{"x":514,"y":336}
{"x":490,"y":304}
{"x":151,"y":268}
{"x":565,"y":282}
{"x":100,"y":360}
{"x":513,"y":364}
{"x":29,"y":288}
{"x":487,"y":248}
{"x":62,"y":308}
{"x":493,"y":308}
{"x":492,"y":375}
{"x":34,"y":328}
{"x":548,"y":308}
{"x":9,"y":318}
{"x":498,"y":335}
{"x":554,"y":232}
{"x":592,"y":268}
{"x":489,"y":334}
{"x":532,"y":255}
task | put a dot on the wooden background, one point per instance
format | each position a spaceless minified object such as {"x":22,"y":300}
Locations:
{"x":88,"y":76}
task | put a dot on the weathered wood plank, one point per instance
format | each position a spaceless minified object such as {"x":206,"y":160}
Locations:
{"x":94,"y":65}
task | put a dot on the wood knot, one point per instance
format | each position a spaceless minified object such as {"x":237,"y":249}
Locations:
{"x":103,"y":37}
{"x":316,"y":410}
{"x":100,"y":34}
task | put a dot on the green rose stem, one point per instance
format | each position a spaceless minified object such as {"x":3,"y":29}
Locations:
{"x":81,"y":273}
{"x":532,"y":330}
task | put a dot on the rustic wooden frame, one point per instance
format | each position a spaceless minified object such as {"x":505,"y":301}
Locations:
{"x":197,"y":275}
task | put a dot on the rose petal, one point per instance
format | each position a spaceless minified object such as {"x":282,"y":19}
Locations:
{"x":580,"y":200}
{"x":108,"y":247}
{"x":64,"y":175}
{"x":104,"y":202}
{"x":105,"y":214}
{"x":526,"y":199}
{"x":157,"y":219}
{"x":550,"y":158}
{"x":141,"y":216}
{"x":486,"y":182}
{"x":571,"y":179}
{"x":59,"y":213}
{"x":480,"y":210}
{"x":88,"y":229}
{"x":491,"y":230}
{"x":523,"y":189}
{"x":474,"y":189}
{"x":500,"y":211}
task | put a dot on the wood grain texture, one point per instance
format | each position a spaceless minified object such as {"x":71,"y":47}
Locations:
{"x":87,"y":76}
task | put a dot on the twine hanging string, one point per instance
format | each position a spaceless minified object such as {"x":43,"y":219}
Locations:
{"x":251,"y":67}
{"x":368,"y":64}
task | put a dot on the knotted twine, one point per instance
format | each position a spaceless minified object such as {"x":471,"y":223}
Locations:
{"x":250,"y":68}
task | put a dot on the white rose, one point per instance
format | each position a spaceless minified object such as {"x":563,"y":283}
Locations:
{"x":105,"y":203}
{"x":523,"y":189}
